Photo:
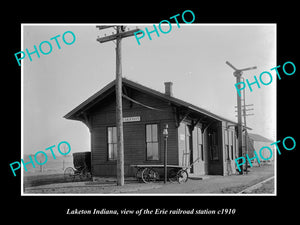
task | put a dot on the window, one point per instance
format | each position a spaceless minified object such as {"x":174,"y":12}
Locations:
{"x":235,"y":147}
{"x":227,"y":155}
{"x":200,"y":144}
{"x":231,"y":143}
{"x":151,"y":142}
{"x":112,"y":143}
{"x":226,"y":137}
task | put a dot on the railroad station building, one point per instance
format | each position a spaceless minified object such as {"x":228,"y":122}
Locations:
{"x":194,"y":134}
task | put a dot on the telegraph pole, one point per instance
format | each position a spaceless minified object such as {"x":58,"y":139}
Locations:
{"x":240,"y":133}
{"x":245,"y":122}
{"x":238,"y":73}
{"x":120,"y":34}
{"x":119,"y":113}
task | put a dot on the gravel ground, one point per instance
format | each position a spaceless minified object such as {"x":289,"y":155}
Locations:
{"x":267,"y":187}
{"x":210,"y":185}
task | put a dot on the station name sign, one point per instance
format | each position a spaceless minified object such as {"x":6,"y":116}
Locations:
{"x":131,"y":119}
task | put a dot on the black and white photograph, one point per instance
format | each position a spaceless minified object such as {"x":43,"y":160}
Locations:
{"x":133,"y":112}
{"x":163,"y":97}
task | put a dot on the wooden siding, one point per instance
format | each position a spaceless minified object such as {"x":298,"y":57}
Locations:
{"x":181,"y":144}
{"x":103,"y":115}
{"x":199,"y":166}
{"x":229,"y":166}
{"x":215,"y":167}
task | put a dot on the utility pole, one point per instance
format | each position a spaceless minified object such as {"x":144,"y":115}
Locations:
{"x":120,"y":34}
{"x":238,"y":73}
{"x":245,"y":123}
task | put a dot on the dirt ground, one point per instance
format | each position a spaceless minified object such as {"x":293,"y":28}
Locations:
{"x":267,"y":187}
{"x":55,"y":184}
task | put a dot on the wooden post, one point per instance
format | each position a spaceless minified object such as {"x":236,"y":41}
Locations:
{"x":121,"y":33}
{"x":119,"y":112}
{"x":166,"y":161}
{"x":165,"y":134}
{"x":239,"y":109}
{"x":238,"y":73}
{"x":245,"y":128}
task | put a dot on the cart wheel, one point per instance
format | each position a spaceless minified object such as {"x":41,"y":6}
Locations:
{"x":69,"y":174}
{"x":182,"y":176}
{"x":138,"y":174}
{"x":89,"y":175}
{"x":85,"y":175}
{"x":173,"y":175}
{"x":149,"y":175}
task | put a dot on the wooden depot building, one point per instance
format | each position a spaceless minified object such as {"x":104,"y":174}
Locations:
{"x":194,"y":134}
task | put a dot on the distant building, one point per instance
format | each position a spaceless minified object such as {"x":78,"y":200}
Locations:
{"x":195,"y":134}
{"x":256,"y":142}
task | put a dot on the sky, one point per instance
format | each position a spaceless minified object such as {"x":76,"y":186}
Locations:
{"x":192,"y":57}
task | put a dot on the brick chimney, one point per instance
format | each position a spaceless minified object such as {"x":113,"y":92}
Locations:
{"x":169,"y":88}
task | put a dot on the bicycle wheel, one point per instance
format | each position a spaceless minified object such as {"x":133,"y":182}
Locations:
{"x":182,"y":176}
{"x":149,"y":175}
{"x":69,"y":174}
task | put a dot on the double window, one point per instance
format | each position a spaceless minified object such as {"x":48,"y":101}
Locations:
{"x":152,"y":142}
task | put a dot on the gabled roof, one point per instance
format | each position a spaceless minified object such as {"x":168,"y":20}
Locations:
{"x":175,"y":101}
